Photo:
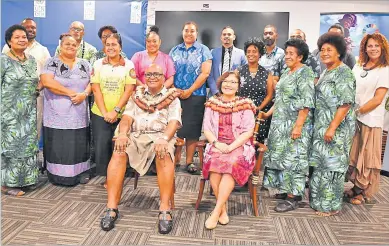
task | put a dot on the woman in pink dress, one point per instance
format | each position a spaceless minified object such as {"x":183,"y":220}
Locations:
{"x":229,"y":157}
{"x":152,"y":55}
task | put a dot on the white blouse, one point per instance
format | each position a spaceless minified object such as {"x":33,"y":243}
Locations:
{"x":366,"y":88}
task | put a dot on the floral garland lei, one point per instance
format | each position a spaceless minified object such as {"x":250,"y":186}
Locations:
{"x":154,"y":104}
{"x":239,"y":103}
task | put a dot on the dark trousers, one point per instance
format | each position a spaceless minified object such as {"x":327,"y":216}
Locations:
{"x":103,"y":133}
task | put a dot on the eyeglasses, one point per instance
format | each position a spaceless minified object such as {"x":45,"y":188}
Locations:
{"x":77,"y":29}
{"x":230,"y":82}
{"x":155,"y":75}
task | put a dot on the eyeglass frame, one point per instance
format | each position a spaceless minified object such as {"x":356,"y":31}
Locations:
{"x":155,"y":75}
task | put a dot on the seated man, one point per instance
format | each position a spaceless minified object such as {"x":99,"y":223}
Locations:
{"x":147,"y":130}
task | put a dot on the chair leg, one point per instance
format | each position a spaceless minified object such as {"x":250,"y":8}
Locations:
{"x":250,"y":188}
{"x":177,"y":155}
{"x":136,"y":180}
{"x":254,"y":197}
{"x":200,"y":196}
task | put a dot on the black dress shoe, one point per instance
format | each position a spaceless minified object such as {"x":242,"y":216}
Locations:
{"x":165,"y":225}
{"x":286,"y":206}
{"x":107,"y":223}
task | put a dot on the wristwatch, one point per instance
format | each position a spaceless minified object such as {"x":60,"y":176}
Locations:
{"x":117,"y":109}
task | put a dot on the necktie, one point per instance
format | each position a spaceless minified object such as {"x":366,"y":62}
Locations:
{"x":226,"y":61}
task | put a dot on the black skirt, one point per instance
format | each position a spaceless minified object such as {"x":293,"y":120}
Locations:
{"x":66,"y":154}
{"x":192,"y":117}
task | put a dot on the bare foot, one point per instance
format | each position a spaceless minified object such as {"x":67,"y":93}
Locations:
{"x":326,"y":214}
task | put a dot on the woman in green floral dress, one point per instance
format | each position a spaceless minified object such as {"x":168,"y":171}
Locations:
{"x":334,"y":127}
{"x":291,"y":128}
{"x":19,"y":138}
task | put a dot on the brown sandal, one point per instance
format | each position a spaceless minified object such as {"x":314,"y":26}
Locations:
{"x":13,"y":191}
{"x":357,"y":200}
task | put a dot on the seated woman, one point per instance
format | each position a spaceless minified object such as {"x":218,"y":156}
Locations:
{"x":291,"y":128}
{"x":230,"y":155}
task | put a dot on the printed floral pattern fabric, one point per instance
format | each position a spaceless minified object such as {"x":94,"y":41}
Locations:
{"x":294,"y":92}
{"x":19,"y":138}
{"x":330,"y":160}
{"x":235,"y":163}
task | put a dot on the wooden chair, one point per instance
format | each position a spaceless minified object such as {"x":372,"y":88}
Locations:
{"x":254,"y":177}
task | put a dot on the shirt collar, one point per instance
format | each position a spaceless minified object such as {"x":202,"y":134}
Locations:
{"x":161,"y":92}
{"x":122,"y":62}
{"x":273,"y":52}
{"x":195,"y":45}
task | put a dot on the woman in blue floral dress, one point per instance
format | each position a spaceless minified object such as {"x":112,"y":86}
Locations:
{"x":19,"y":137}
{"x":334,"y":127}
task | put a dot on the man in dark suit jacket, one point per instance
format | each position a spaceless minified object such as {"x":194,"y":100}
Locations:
{"x":225,"y":58}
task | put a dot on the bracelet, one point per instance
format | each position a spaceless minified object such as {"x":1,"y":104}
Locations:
{"x":86,"y":93}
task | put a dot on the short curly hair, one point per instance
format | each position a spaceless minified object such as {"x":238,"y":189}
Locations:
{"x":382,"y":41}
{"x":220,"y":80}
{"x":335,"y":40}
{"x":257,"y":42}
{"x":103,"y":28}
{"x":300,"y":45}
{"x":10,"y":31}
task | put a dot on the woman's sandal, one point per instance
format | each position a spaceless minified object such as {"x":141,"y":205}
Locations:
{"x":164,"y":224}
{"x":357,"y":200}
{"x":13,"y":192}
{"x":107,"y":223}
{"x":191,"y":168}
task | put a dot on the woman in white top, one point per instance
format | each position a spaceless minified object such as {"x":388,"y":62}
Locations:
{"x":372,"y":83}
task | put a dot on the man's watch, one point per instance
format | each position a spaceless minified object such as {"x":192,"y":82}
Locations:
{"x":117,"y":109}
{"x":165,"y":138}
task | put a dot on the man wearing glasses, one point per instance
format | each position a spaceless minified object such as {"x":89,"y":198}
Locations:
{"x":85,"y":50}
{"x":146,"y":132}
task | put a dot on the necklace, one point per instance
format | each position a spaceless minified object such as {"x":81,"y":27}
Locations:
{"x":365,"y":70}
{"x":17,"y":57}
{"x":83,"y":49}
{"x":151,"y":105}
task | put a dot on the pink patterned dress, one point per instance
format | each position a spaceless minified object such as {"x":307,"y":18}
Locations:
{"x":233,"y":163}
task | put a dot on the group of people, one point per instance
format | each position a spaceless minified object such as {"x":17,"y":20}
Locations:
{"x":324,"y":124}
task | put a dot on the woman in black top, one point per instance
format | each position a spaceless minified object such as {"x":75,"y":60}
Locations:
{"x":256,"y":82}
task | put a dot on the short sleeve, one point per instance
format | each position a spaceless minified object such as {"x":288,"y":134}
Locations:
{"x":130,"y":108}
{"x":345,"y":86}
{"x":174,"y":111}
{"x":49,"y":67}
{"x":170,"y":70}
{"x":131,"y":75}
{"x":136,"y":60}
{"x":383,"y":78}
{"x":95,"y":74}
{"x":248,"y":119}
{"x":207,"y":55}
{"x":277,"y":68}
{"x":305,"y":96}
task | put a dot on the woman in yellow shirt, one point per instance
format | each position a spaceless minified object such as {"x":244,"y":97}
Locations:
{"x":113,"y":80}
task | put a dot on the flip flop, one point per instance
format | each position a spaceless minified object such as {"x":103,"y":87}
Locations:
{"x":191,"y":168}
{"x":13,"y":192}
